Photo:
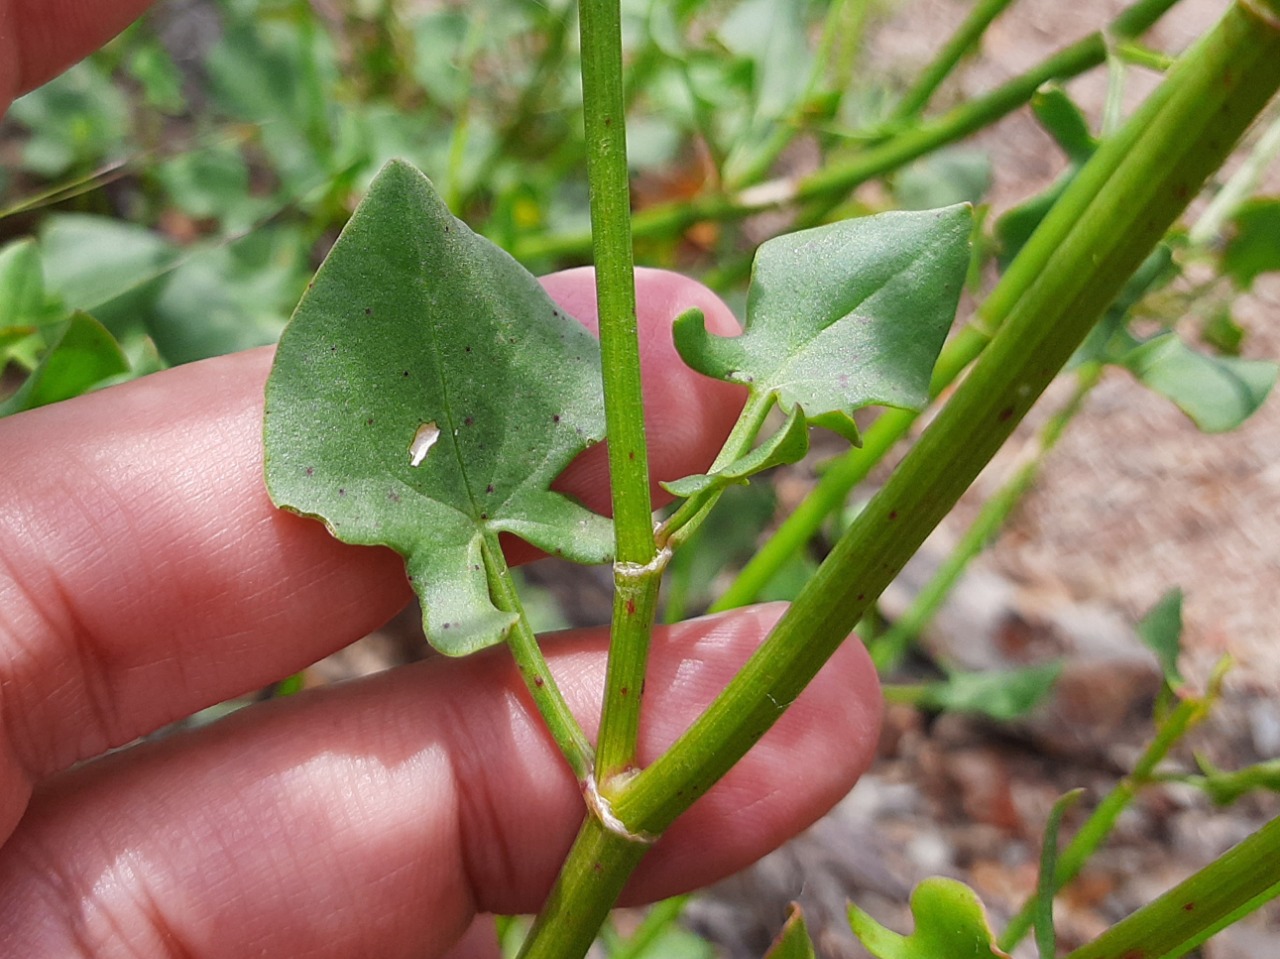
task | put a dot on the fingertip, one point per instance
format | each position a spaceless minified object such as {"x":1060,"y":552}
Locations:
{"x":687,"y":415}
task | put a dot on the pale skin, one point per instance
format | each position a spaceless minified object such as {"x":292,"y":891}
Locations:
{"x":144,"y":575}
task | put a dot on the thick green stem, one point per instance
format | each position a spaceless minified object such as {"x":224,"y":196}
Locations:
{"x":892,"y":645}
{"x":963,"y":41}
{"x":838,"y":179}
{"x":1246,"y":876}
{"x":1100,"y":231}
{"x":523,"y":644}
{"x":594,"y":873}
{"x":604,"y":115}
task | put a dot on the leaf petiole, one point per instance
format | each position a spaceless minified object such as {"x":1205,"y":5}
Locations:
{"x":523,"y":643}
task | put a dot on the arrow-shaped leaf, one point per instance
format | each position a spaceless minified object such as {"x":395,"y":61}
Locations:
{"x":424,"y":396}
{"x":950,"y":924}
{"x":845,"y":315}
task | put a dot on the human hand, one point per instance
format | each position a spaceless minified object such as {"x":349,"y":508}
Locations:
{"x":145,"y":575}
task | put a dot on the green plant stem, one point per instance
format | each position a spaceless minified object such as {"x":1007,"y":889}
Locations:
{"x":523,"y":643}
{"x":964,"y":40}
{"x":654,"y":924}
{"x":1098,"y":233}
{"x":842,"y":475}
{"x":1242,"y":879}
{"x":1094,"y":831}
{"x":682,"y":524}
{"x":595,"y":871}
{"x":1227,"y":201}
{"x":889,"y":648}
{"x":604,"y":112}
{"x":836,"y":180}
{"x":1075,"y":264}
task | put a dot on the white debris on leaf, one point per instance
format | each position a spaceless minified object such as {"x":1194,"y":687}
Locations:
{"x":423,"y":440}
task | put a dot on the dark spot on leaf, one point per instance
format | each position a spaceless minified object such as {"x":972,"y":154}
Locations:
{"x":489,"y":488}
{"x":861,"y":597}
{"x":893,"y":514}
{"x":624,"y":691}
{"x":467,"y":349}
{"x":596,"y":867}
{"x":369,"y":421}
{"x":555,"y":418}
{"x":1188,"y":907}
{"x":446,"y":625}
{"x":405,"y":373}
{"x":310,"y":471}
{"x":642,"y":684}
{"x":468,"y":421}
{"x":484,"y":515}
{"x":539,"y":681}
{"x":341,"y":491}
{"x":631,"y":455}
{"x":368,"y":311}
{"x":1006,"y":414}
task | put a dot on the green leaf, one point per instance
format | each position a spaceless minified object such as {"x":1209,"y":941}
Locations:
{"x":23,"y":302}
{"x":1218,"y":393}
{"x":424,"y":396}
{"x":1065,"y":122}
{"x":1002,"y":694}
{"x":844,"y":316}
{"x":1046,"y":885}
{"x":950,"y":924}
{"x":1161,"y":630}
{"x":944,"y":178}
{"x":793,"y":941}
{"x":1254,"y":247}
{"x":82,"y":357}
{"x":788,"y":445}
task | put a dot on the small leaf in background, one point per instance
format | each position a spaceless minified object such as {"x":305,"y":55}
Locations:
{"x":83,"y":356}
{"x":793,"y":941}
{"x":92,"y":260}
{"x":77,"y":120}
{"x":944,"y":178}
{"x":1002,"y":695}
{"x":1223,"y":334}
{"x":415,"y":327}
{"x":950,"y":924}
{"x":1065,"y":122}
{"x":788,"y":445}
{"x":1161,"y":630}
{"x":1046,"y":885}
{"x":1254,"y":246}
{"x":844,"y":316}
{"x":1218,"y":393}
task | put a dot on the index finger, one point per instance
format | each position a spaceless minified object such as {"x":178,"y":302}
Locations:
{"x":41,"y":38}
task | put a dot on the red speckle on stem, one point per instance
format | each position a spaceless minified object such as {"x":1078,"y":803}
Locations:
{"x":631,"y":607}
{"x":624,"y":691}
{"x":1188,"y":907}
{"x":1006,"y":414}
{"x":893,"y":514}
{"x":539,"y":681}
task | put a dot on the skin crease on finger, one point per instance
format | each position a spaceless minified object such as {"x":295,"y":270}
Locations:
{"x":337,"y":823}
